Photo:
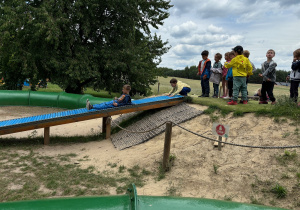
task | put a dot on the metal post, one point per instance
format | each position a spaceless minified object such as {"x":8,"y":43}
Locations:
{"x":167,"y":146}
{"x":219,"y":143}
{"x":46,"y":135}
{"x":108,"y":127}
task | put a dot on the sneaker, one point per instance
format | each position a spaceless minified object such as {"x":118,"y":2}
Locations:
{"x":298,"y":104}
{"x":273,"y":103}
{"x":201,"y":96}
{"x":263,"y":102}
{"x":245,"y":102}
{"x":226,"y":97}
{"x":232,"y":103}
{"x":88,"y":105}
{"x":214,"y":96}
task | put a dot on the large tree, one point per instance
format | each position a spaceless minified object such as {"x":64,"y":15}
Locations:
{"x":75,"y":43}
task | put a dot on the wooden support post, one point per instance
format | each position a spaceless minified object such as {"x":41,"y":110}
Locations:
{"x":104,"y":119}
{"x":46,"y":135}
{"x":108,"y":127}
{"x":219,"y":143}
{"x":167,"y":146}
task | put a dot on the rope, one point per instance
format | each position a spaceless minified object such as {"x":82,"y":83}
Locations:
{"x":232,"y":144}
{"x":239,"y":145}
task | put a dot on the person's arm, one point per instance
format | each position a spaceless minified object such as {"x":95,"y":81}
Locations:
{"x":199,"y":68}
{"x":296,"y":65}
{"x":207,"y":70}
{"x":271,"y":69}
{"x":249,"y":68}
{"x":230,"y":64}
{"x":180,"y":86}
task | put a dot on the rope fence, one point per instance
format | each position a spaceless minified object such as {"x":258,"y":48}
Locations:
{"x":208,"y":138}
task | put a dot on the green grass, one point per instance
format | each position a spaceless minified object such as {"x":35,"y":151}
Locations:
{"x":26,"y":175}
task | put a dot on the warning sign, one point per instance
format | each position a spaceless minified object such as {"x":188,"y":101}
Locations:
{"x":220,"y":130}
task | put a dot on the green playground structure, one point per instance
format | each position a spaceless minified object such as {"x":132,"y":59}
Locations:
{"x":47,"y":99}
{"x":129,"y":201}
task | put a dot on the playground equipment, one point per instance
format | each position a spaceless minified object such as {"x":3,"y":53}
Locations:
{"x":71,"y":116}
{"x":129,"y":201}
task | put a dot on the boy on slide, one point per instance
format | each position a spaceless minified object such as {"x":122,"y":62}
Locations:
{"x":123,"y":100}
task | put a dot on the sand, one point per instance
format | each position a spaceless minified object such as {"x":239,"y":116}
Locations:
{"x":239,"y":169}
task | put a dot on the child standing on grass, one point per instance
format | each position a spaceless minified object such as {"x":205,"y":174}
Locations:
{"x":268,"y":69}
{"x":246,"y":53}
{"x":216,"y":74}
{"x":179,"y":88}
{"x":204,"y":72}
{"x":224,"y":73}
{"x":123,"y":100}
{"x":295,"y":76}
{"x":229,"y":77}
{"x":240,"y":68}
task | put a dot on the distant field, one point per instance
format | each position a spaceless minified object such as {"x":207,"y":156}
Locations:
{"x":165,"y":87}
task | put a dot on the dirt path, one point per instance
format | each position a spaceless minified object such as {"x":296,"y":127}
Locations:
{"x":200,"y":170}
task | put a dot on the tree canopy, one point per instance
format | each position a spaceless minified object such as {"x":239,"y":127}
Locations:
{"x":77,"y":43}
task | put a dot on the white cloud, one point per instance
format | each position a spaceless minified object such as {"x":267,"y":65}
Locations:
{"x":183,"y":29}
{"x":214,"y":29}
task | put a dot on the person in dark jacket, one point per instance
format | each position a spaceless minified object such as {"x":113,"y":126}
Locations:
{"x":204,"y":72}
{"x":295,"y":76}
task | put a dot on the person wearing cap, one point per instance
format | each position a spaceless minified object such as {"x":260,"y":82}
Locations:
{"x":204,"y":72}
{"x":241,"y":67}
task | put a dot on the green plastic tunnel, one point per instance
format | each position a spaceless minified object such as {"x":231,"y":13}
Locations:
{"x":47,"y":99}
{"x":129,"y":202}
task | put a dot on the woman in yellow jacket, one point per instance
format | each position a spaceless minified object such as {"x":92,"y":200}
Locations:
{"x":241,"y":68}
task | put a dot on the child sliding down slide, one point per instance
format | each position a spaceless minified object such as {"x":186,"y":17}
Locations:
{"x":123,"y":100}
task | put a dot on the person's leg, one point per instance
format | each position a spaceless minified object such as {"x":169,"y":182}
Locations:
{"x":263,"y":92}
{"x":244,"y":89}
{"x":269,"y":89}
{"x":230,"y":88}
{"x":292,"y":90}
{"x":207,"y":88}
{"x":296,"y":90}
{"x":236,"y":88}
{"x":185,"y":91}
{"x":202,"y":87}
{"x":217,"y":90}
{"x":224,"y":86}
{"x":104,"y":105}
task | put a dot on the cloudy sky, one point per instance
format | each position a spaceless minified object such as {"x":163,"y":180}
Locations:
{"x":219,"y":25}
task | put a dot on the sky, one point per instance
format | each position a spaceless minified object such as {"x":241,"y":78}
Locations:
{"x":220,"y":25}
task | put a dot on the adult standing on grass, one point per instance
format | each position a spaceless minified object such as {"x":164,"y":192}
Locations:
{"x":240,"y":68}
{"x":295,"y":76}
{"x":268,"y":69}
{"x":204,"y":72}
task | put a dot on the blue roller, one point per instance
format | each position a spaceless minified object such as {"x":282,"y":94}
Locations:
{"x":68,"y":113}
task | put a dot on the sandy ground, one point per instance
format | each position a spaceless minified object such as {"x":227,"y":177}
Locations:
{"x":238,"y":169}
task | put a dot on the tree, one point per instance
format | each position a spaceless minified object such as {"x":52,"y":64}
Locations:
{"x":77,"y":43}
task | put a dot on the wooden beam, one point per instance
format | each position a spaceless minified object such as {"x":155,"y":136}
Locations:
{"x":46,"y":135}
{"x":104,"y":119}
{"x":108,"y":128}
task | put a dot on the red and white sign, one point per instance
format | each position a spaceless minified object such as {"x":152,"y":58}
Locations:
{"x":220,"y":130}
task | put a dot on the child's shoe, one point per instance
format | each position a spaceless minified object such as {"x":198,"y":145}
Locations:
{"x":273,"y":103}
{"x":263,"y":102}
{"x":88,"y":105}
{"x":298,"y":104}
{"x":245,"y":102}
{"x":226,"y":97}
{"x":232,"y":102}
